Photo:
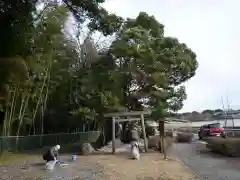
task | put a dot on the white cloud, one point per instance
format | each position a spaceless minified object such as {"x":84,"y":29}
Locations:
{"x":211,"y":30}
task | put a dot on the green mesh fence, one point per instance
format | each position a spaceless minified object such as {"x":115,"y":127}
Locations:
{"x":20,"y":143}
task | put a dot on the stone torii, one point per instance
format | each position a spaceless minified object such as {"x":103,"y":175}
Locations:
{"x":128,"y":116}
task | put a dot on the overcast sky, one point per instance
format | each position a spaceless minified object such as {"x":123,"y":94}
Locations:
{"x":211,"y":28}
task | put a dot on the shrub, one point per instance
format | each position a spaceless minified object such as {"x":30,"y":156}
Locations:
{"x":169,"y":133}
{"x":215,"y":143}
{"x":184,"y":137}
{"x":189,"y":129}
{"x":154,"y":142}
{"x":150,"y":131}
{"x":226,"y":146}
{"x":231,"y":134}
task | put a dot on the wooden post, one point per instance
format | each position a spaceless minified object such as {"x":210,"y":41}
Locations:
{"x":233,"y":133}
{"x":161,"y":134}
{"x":113,"y":135}
{"x":144,"y":133}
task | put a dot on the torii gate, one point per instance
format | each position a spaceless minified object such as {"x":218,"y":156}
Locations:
{"x":126,"y":116}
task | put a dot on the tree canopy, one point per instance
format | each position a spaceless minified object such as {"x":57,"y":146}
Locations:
{"x":153,"y":66}
{"x":52,"y":82}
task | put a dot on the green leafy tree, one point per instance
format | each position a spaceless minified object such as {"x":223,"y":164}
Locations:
{"x":99,"y":19}
{"x":53,"y":81}
{"x":153,"y":66}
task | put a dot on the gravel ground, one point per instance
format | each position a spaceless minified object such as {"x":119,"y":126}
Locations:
{"x":34,"y":170}
{"x":100,"y":167}
{"x":207,"y":165}
{"x":151,"y":166}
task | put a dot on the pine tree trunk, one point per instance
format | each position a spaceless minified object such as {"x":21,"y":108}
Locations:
{"x":161,"y":134}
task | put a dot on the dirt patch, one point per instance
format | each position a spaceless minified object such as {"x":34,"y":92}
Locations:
{"x":151,"y":166}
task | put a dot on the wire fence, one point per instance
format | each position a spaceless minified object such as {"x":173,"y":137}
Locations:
{"x":21,"y":143}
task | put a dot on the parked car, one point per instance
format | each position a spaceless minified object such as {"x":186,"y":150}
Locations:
{"x":213,"y":129}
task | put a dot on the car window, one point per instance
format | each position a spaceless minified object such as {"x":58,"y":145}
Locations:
{"x":205,"y":126}
{"x":217,"y":125}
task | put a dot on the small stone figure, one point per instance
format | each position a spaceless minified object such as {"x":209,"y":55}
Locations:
{"x":135,"y":150}
{"x":87,"y":149}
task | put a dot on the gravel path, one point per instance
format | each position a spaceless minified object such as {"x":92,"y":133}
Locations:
{"x":207,"y":165}
{"x":34,"y":170}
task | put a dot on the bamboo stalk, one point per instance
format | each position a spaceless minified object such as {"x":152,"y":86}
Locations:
{"x":6,"y":117}
{"x":22,"y":116}
{"x":21,"y":107}
{"x":11,"y":111}
{"x":5,"y":122}
{"x":38,"y":103}
{"x":44,"y":106}
{"x":42,"y":119}
{"x":40,"y":95}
